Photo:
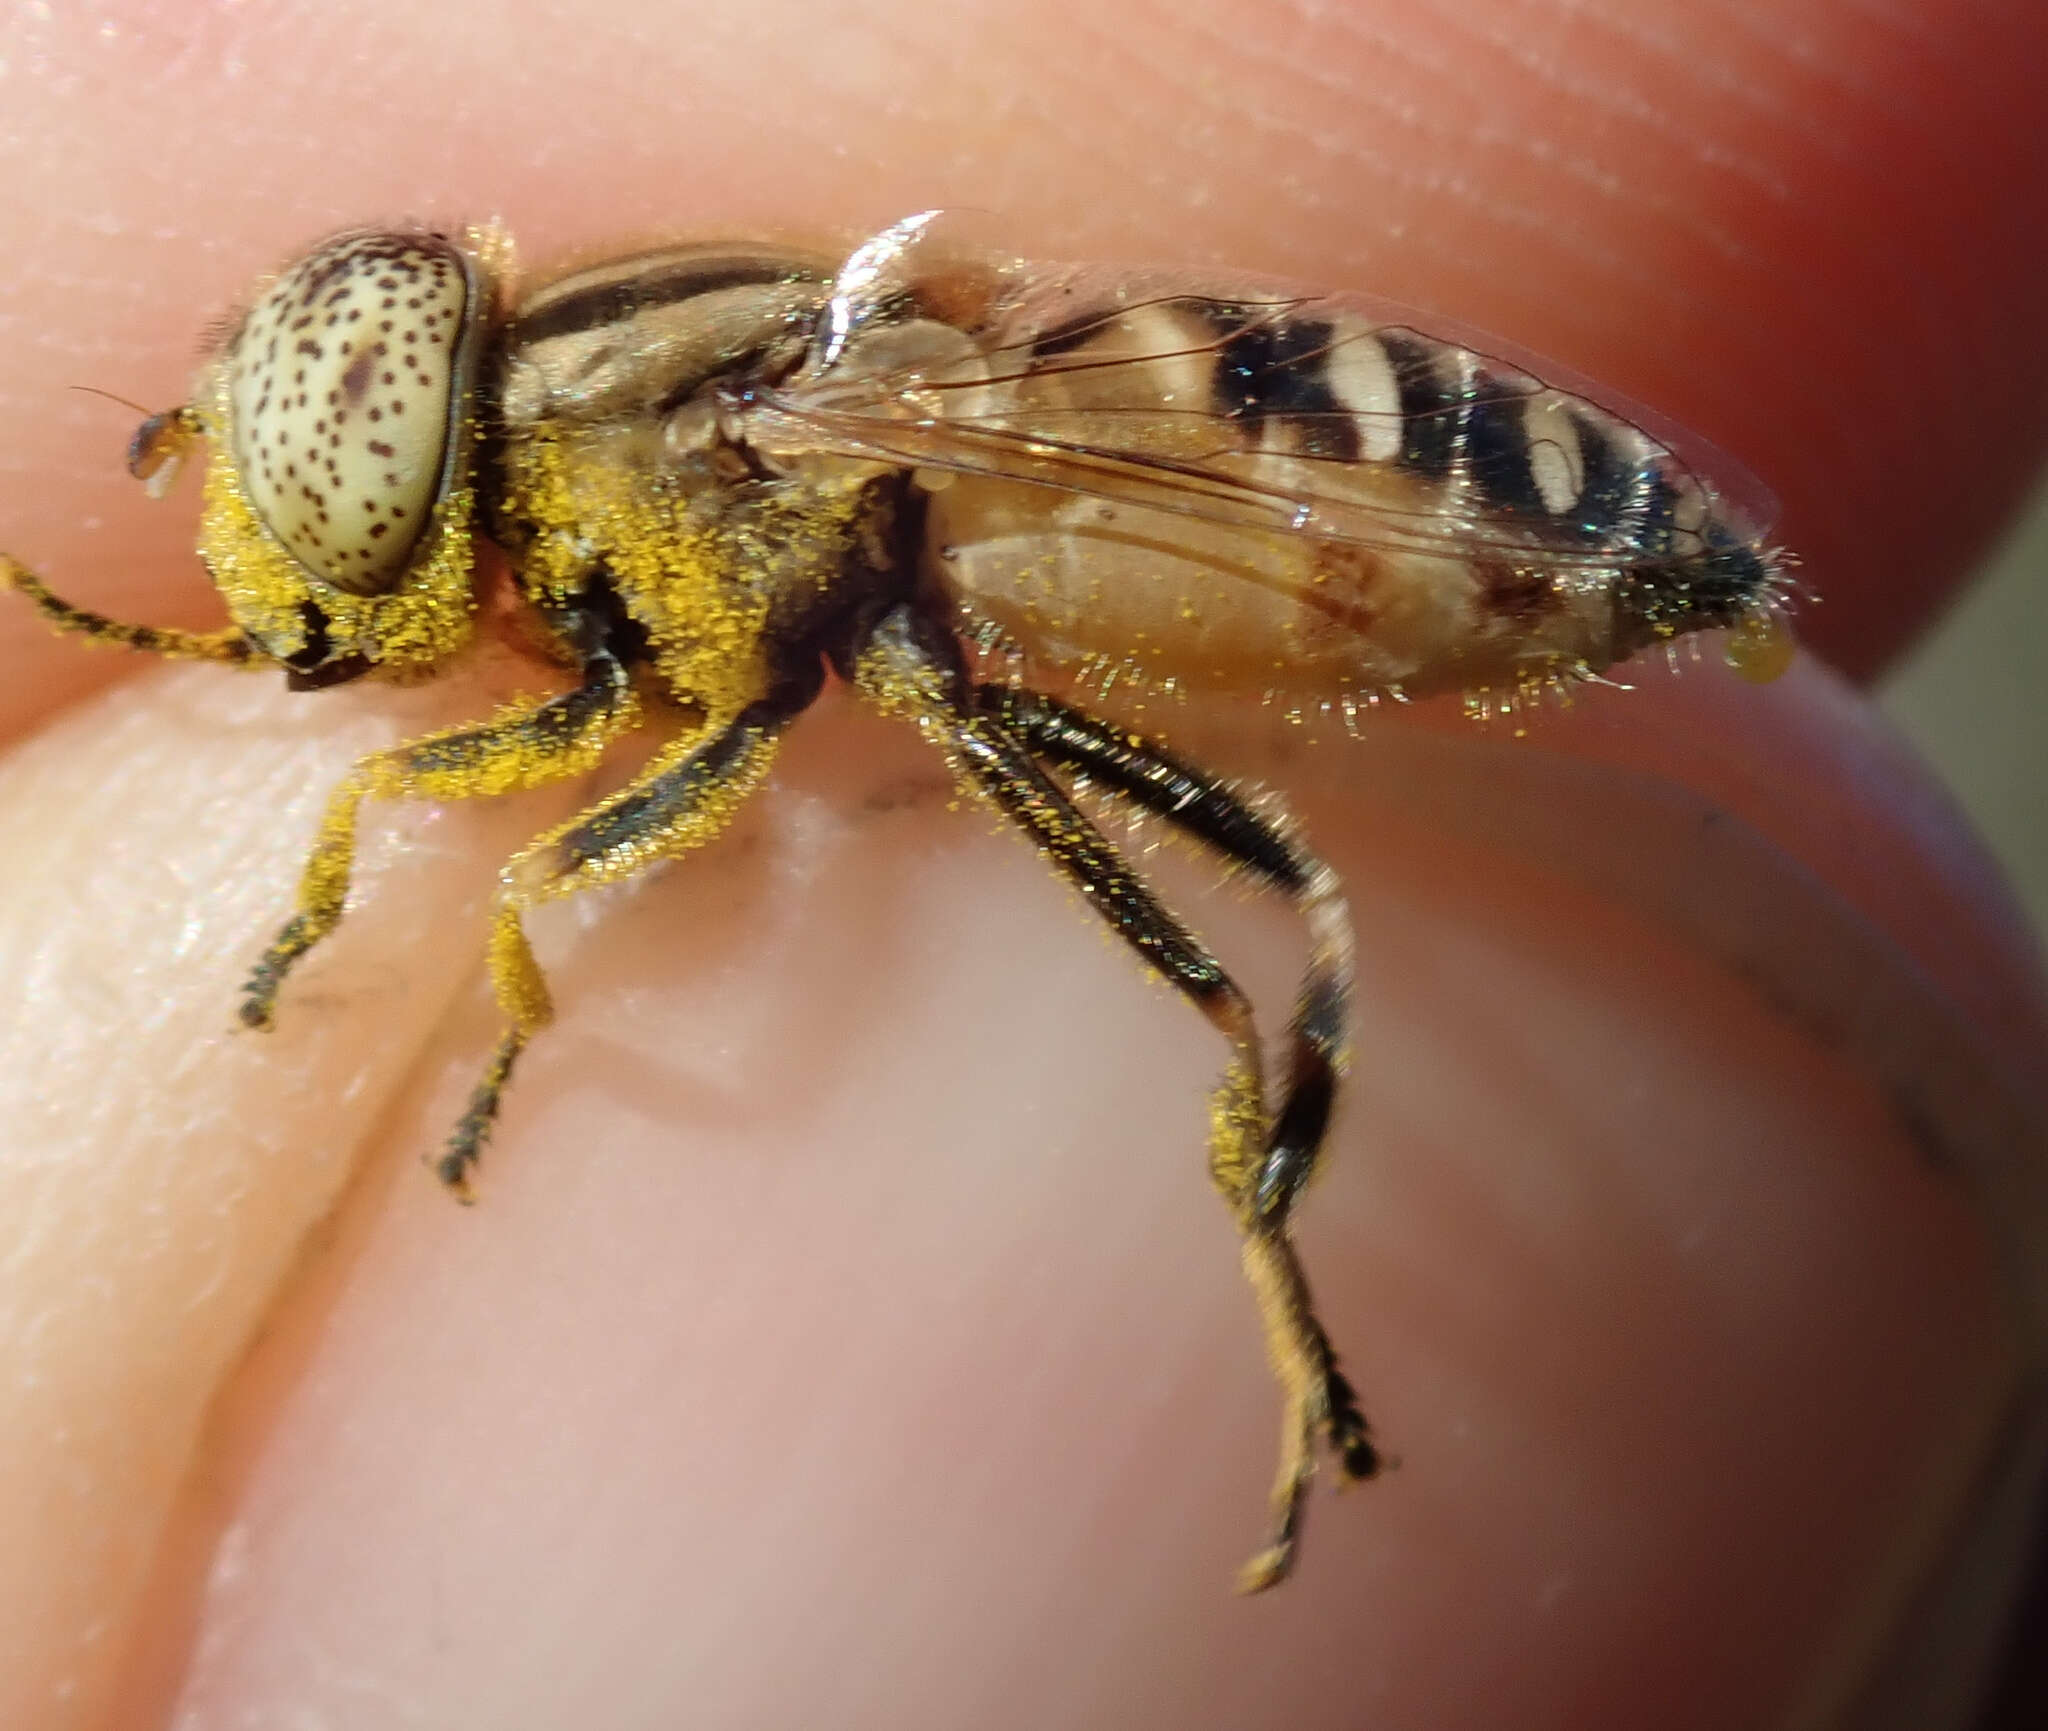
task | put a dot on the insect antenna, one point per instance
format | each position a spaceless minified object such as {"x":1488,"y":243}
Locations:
{"x":112,"y":397}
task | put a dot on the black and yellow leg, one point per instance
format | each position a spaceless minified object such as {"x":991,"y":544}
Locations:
{"x":1208,"y":810}
{"x":528,"y":743}
{"x":992,"y":739}
{"x":686,"y":795}
{"x":228,"y":646}
{"x":1261,"y":1167}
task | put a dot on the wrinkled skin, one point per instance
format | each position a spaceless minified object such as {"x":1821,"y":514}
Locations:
{"x":845,"y":1335}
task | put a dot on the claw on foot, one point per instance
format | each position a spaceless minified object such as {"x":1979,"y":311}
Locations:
{"x":259,"y":994}
{"x":473,"y":1129}
{"x":1268,"y":1569}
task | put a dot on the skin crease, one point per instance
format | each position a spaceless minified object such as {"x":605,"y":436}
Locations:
{"x":846,"y":1335}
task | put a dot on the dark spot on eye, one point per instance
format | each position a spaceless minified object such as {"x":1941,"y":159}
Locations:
{"x":356,"y":380}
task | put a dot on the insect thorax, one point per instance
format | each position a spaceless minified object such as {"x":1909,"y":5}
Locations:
{"x":612,"y":464}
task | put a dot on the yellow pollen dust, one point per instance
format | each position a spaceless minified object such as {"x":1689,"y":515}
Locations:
{"x":406,"y":632}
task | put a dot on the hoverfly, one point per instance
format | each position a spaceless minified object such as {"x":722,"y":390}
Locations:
{"x":721,"y":473}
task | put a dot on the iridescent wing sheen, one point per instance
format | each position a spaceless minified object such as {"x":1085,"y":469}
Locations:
{"x":1325,"y":416}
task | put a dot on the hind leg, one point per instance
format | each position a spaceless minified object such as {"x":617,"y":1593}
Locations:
{"x":992,"y":738}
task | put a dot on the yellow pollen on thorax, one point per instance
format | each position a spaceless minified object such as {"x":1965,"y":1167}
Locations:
{"x":698,"y":572}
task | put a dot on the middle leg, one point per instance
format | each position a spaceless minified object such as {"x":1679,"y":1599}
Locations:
{"x":685,"y":796}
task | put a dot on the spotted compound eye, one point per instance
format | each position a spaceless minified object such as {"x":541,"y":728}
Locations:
{"x":341,"y":385}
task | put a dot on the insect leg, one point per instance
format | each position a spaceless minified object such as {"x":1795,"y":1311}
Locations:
{"x":528,"y":743}
{"x":228,"y":646}
{"x":1259,"y":1172}
{"x":1139,"y":770}
{"x":909,"y":666}
{"x":686,"y":795}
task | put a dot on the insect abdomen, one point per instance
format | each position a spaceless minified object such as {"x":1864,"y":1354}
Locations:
{"x":1533,"y":533}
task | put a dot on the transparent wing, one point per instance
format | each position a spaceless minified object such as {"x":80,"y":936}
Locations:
{"x":1327,"y":416}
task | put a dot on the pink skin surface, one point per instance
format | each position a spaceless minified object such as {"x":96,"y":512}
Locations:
{"x":846,"y":1335}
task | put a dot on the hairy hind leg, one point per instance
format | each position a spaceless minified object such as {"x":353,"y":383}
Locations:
{"x":1208,"y":810}
{"x":908,"y":665}
{"x":1261,"y":1162}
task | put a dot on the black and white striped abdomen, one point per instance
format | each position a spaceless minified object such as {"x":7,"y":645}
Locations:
{"x":1327,"y":402}
{"x":1293,"y":491}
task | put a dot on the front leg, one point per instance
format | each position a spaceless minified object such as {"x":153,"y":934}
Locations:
{"x":528,"y":743}
{"x":228,"y":646}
